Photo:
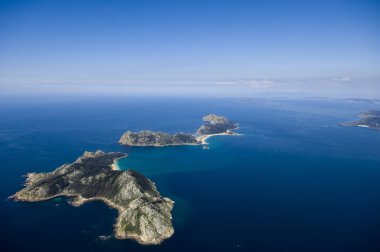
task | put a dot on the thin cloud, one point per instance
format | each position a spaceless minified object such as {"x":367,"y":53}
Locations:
{"x":345,"y":78}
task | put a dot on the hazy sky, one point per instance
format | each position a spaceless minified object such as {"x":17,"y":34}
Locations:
{"x":182,"y":42}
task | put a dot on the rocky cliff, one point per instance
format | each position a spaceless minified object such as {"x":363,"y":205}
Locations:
{"x":144,"y":215}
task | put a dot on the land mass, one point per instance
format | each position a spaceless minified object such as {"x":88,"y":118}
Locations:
{"x":143,"y":214}
{"x":213,"y":125}
{"x":370,"y":119}
{"x":150,"y":138}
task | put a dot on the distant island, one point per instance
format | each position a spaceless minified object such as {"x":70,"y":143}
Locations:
{"x":213,"y":125}
{"x":151,"y":138}
{"x":370,"y":119}
{"x":144,"y":215}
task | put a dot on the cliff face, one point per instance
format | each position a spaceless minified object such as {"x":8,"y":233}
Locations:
{"x":150,"y":138}
{"x":369,"y":119}
{"x":144,"y":215}
{"x":214,"y":124}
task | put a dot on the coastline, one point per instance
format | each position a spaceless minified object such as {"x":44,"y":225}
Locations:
{"x":153,"y":212}
{"x":163,"y":145}
{"x":78,"y":201}
{"x":118,"y":233}
{"x":203,"y":138}
{"x":115,"y":166}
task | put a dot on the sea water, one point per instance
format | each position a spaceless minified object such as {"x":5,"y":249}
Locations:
{"x":293,"y":181}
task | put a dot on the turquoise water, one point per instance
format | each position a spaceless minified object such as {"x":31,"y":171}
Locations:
{"x":293,"y":181}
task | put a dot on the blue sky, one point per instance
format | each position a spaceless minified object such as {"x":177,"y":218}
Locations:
{"x":153,"y":41}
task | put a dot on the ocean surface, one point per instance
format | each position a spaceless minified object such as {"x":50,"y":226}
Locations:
{"x":293,"y":181}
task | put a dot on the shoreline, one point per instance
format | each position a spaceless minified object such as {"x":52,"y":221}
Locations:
{"x":156,"y":145}
{"x":121,"y":224}
{"x":115,"y":166}
{"x":78,"y":201}
{"x":199,"y":140}
{"x":202,"y":139}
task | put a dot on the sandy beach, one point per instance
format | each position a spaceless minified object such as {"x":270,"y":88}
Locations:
{"x":203,"y":139}
{"x":114,"y":166}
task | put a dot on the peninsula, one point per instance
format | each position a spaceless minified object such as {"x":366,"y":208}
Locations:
{"x":370,"y":119}
{"x":213,"y":125}
{"x":143,"y":214}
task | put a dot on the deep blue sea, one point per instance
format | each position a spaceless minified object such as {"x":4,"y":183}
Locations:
{"x":294,"y":181}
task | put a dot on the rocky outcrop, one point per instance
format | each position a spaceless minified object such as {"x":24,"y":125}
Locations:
{"x":370,"y":119}
{"x":144,"y":215}
{"x":150,"y":138}
{"x":214,"y":124}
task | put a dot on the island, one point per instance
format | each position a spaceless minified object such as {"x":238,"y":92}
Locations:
{"x":150,"y":138}
{"x":213,"y":125}
{"x":370,"y":119}
{"x":143,"y":214}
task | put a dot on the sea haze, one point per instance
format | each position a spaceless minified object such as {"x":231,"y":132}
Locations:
{"x":293,"y":181}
